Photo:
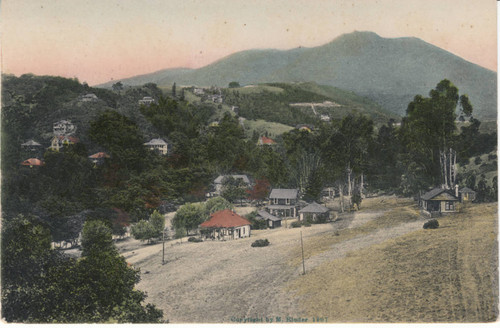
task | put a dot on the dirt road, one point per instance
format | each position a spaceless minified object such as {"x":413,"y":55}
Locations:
{"x":231,"y":281}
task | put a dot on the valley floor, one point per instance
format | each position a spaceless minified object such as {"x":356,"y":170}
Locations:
{"x":375,"y":265}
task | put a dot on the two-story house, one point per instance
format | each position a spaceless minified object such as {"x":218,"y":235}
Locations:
{"x":283,"y":202}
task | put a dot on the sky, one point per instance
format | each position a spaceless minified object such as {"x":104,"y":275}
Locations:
{"x":101,"y":40}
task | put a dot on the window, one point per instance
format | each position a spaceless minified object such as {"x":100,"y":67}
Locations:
{"x":243,"y":230}
{"x":288,"y":201}
{"x":449,"y":206}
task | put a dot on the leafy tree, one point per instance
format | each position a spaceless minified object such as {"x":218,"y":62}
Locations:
{"x":118,"y":86}
{"x":173,"y":90}
{"x":96,"y":237}
{"x":233,"y":189}
{"x":158,"y":222}
{"x":217,"y":204}
{"x":143,"y":230}
{"x":260,"y":190}
{"x":189,"y":216}
{"x":122,"y":138}
{"x":234,"y":84}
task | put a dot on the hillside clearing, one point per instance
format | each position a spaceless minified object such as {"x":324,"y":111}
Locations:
{"x":444,"y":275}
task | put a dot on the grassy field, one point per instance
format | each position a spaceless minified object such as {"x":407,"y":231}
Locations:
{"x":257,"y":89}
{"x":273,"y":129}
{"x":444,"y":275}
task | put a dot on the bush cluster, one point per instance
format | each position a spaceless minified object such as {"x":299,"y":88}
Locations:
{"x":260,"y":243}
{"x":195,"y":240}
{"x":431,"y":224}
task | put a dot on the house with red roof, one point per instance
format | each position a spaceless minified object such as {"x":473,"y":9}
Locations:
{"x":224,"y":225}
{"x":31,"y":162}
{"x":265,"y":141}
{"x":98,"y":158}
{"x":59,"y":141}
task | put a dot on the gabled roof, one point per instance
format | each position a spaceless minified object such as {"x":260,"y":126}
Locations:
{"x":284,"y":193}
{"x":436,"y":192}
{"x":267,"y":216}
{"x":99,"y":155}
{"x":225,"y":219}
{"x":245,"y":179}
{"x":155,"y":142}
{"x":466,"y":189}
{"x":266,"y":141}
{"x":32,"y":162}
{"x":314,"y":208}
{"x":31,"y":143}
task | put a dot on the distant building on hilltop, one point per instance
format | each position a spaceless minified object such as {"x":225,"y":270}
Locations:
{"x":31,"y":145}
{"x":32,"y":162}
{"x":158,"y":145}
{"x":59,"y":141}
{"x":63,"y":127}
{"x":265,"y":141}
{"x":147,"y":101}
{"x":89,"y":97}
{"x":98,"y":158}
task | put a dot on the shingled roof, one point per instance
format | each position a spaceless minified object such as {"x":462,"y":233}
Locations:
{"x":436,"y":192}
{"x":225,"y":219}
{"x":314,"y":208}
{"x":243,"y":177}
{"x":267,"y":216}
{"x":284,"y":193}
{"x":32,"y":162}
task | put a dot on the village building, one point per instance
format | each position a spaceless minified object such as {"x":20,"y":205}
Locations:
{"x":438,"y":201}
{"x":217,"y":98}
{"x":224,"y":225}
{"x":157,"y":145}
{"x":283,"y":203}
{"x":147,"y":101}
{"x":63,"y":127}
{"x":31,"y":145}
{"x":304,"y":127}
{"x":32,"y":162}
{"x":271,"y":220}
{"x":263,"y":140}
{"x":198,"y":91}
{"x":89,"y":97}
{"x":467,"y":195}
{"x":59,"y":141}
{"x":98,"y":158}
{"x":325,"y":118}
{"x":218,"y":182}
{"x":328,"y":193}
{"x":235,"y":109}
{"x":314,"y":211}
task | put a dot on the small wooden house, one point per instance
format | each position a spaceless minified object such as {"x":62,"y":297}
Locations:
{"x":438,"y":201}
{"x":271,"y":220}
{"x":467,"y":195}
{"x":218,"y":182}
{"x":147,"y":101}
{"x":316,"y":211}
{"x":225,"y":224}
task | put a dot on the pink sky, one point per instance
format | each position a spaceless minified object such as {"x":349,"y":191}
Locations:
{"x":100,"y":40}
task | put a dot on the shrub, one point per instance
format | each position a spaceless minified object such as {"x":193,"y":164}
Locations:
{"x":492,"y":156}
{"x":296,"y":224}
{"x":195,"y":240}
{"x":306,"y":224}
{"x":431,"y":224}
{"x":478,"y":160}
{"x":260,"y":243}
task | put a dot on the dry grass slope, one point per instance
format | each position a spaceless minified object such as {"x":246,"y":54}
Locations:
{"x":444,"y":275}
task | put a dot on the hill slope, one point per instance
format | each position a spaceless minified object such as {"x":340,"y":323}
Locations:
{"x":388,"y":71}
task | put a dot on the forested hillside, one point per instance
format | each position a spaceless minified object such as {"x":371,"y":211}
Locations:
{"x":54,"y":200}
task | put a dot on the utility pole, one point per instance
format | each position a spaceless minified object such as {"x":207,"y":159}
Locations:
{"x":163,"y":252}
{"x":302,"y":245}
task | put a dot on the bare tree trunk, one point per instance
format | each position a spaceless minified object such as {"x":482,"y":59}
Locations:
{"x":361,"y":185}
{"x":341,"y":197}
{"x":349,"y":173}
